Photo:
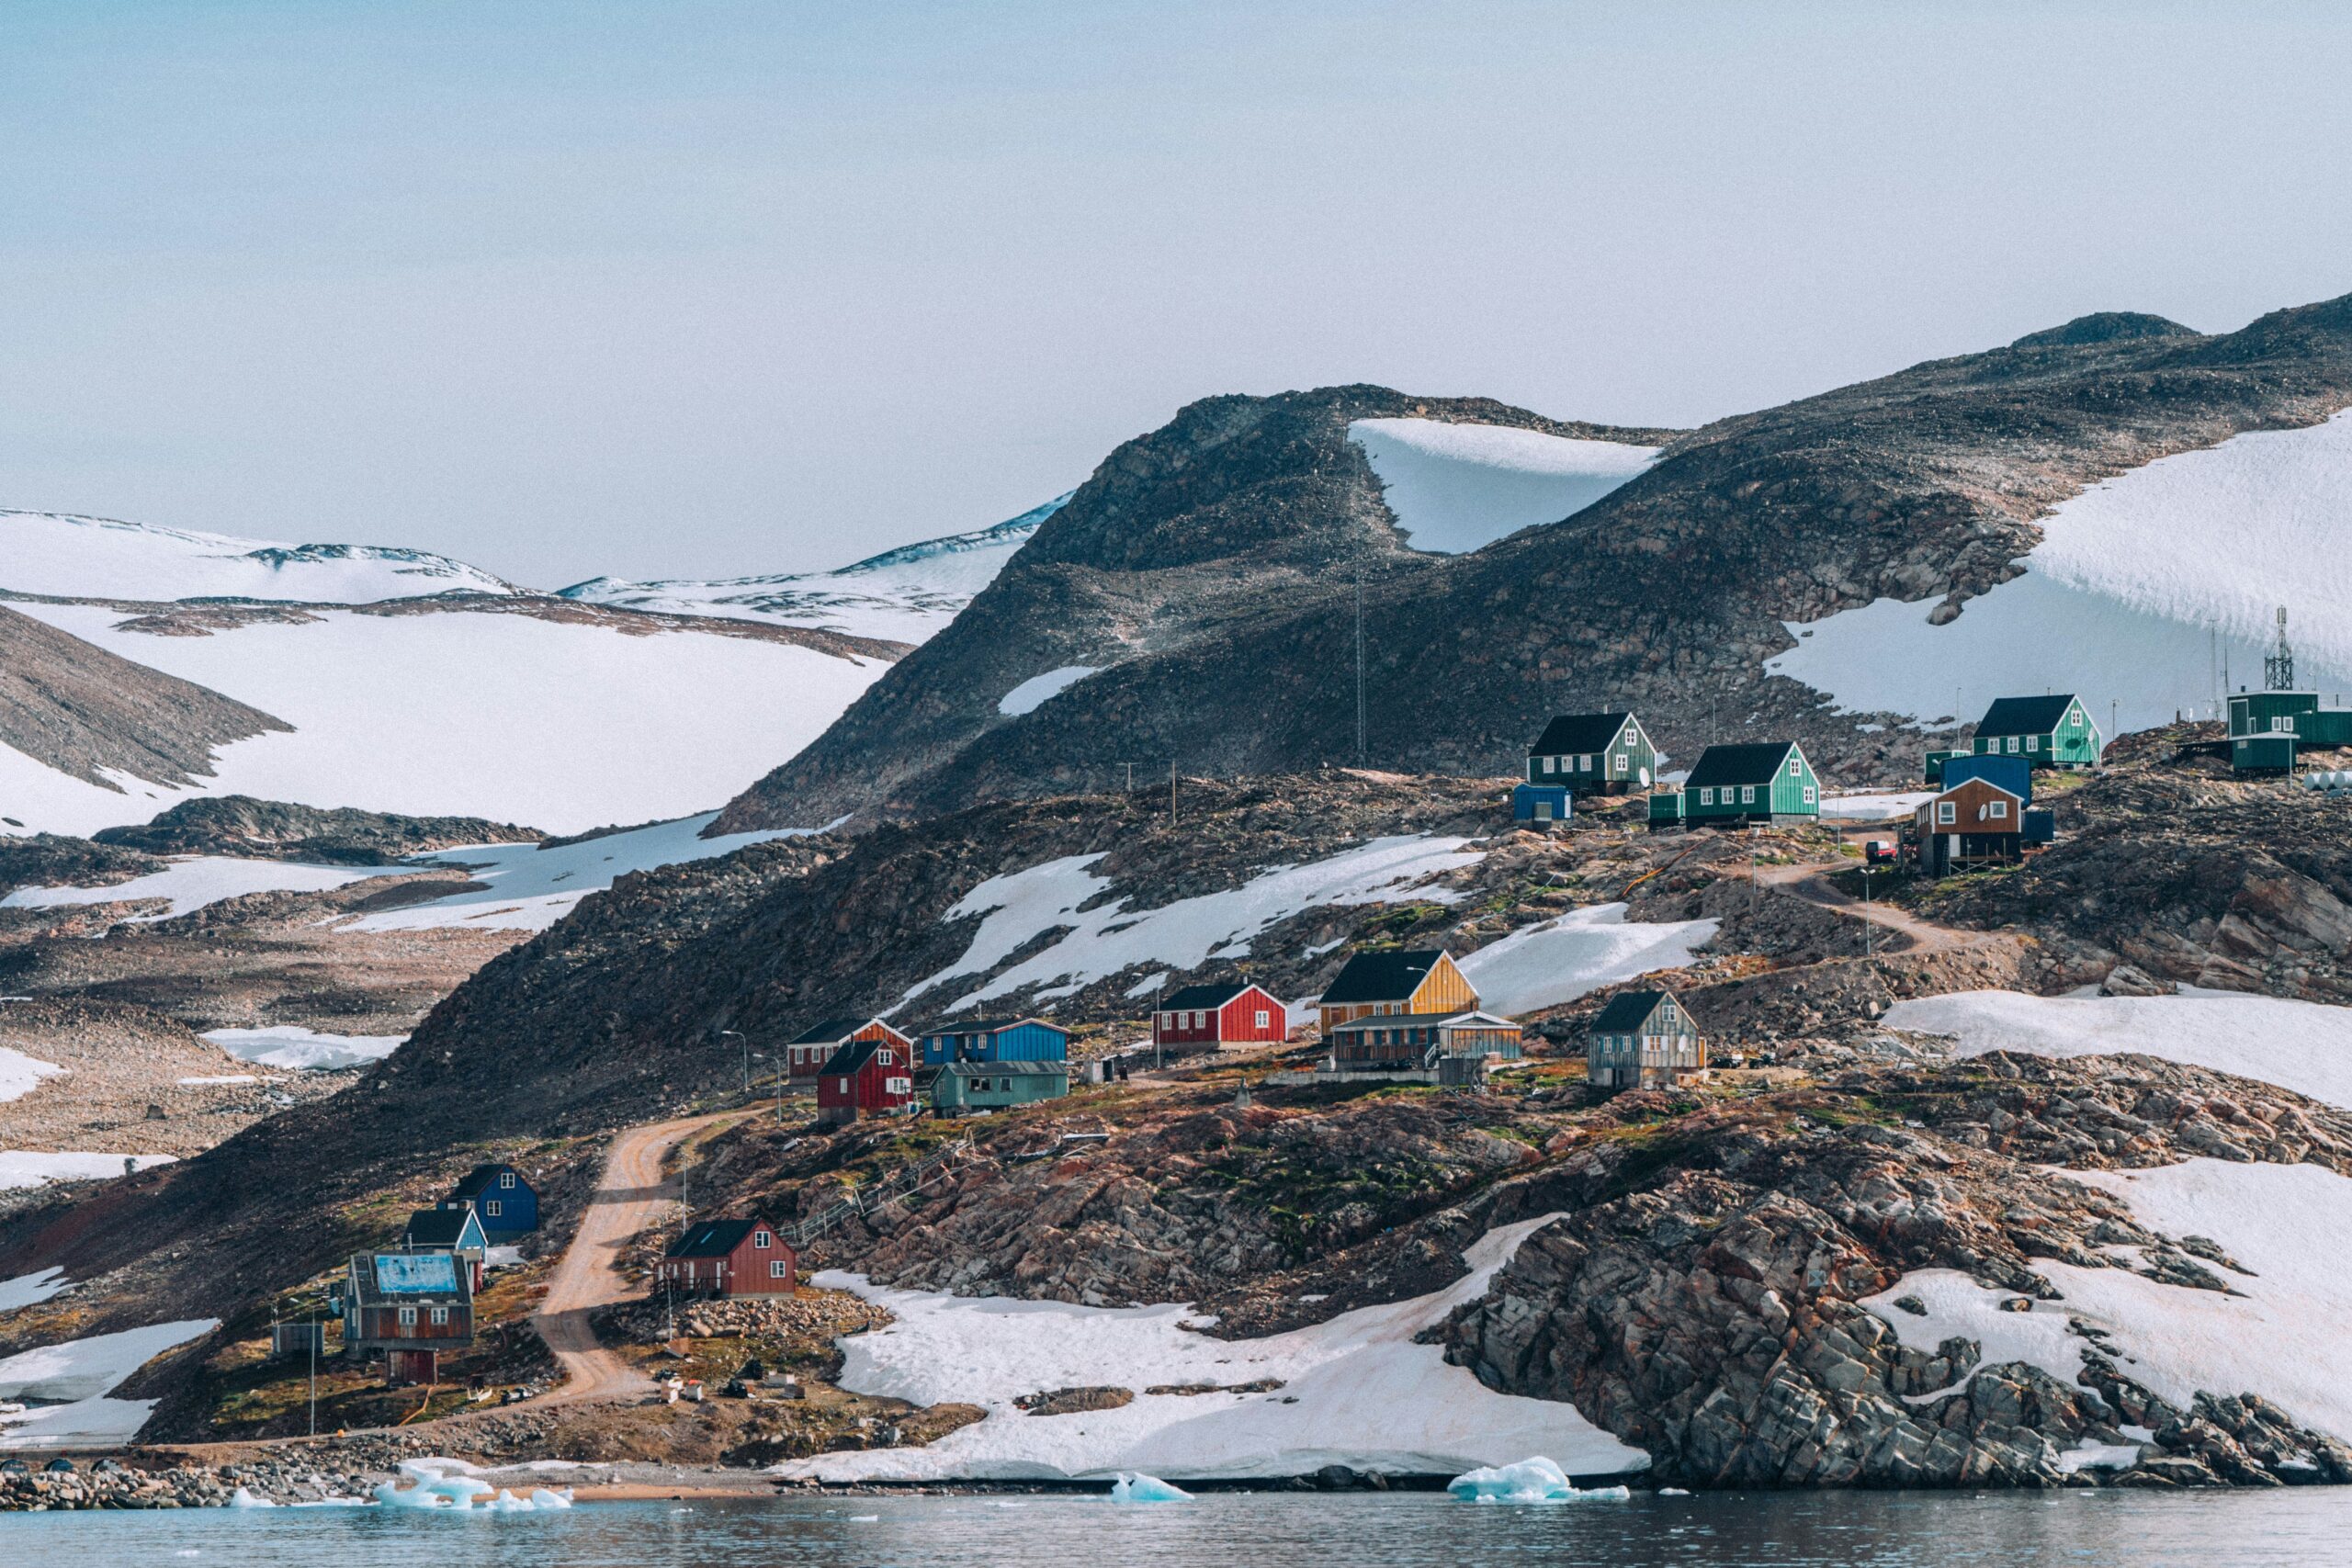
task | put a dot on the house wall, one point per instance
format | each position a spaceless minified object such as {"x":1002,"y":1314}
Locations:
{"x":1629,"y":762}
{"x":517,"y":1212}
{"x":1444,"y":989}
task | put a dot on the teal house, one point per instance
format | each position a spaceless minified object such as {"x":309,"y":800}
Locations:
{"x":964,"y":1088}
{"x":1593,"y":753}
{"x":2269,"y":729}
{"x":1762,"y":782}
{"x":2048,"y":732}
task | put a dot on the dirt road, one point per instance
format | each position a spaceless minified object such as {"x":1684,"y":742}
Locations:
{"x":630,"y":1195}
{"x":1810,"y":881}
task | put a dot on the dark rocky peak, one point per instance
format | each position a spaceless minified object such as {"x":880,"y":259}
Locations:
{"x":276,"y":829}
{"x":2320,"y":331}
{"x":2105,"y":327}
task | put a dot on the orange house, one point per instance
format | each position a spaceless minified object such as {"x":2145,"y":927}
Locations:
{"x":1396,"y":981}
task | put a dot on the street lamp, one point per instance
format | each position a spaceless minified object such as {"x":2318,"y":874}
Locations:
{"x":747,"y":1058}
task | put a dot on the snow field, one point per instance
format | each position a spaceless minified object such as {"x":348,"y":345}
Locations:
{"x":1875,"y":807}
{"x":2303,"y":1046}
{"x":1108,"y":938}
{"x":1457,"y":487}
{"x":1357,"y":1391}
{"x":82,"y":1373}
{"x":2120,"y":598}
{"x":195,"y":881}
{"x":27,"y":1168}
{"x":20,"y":1073}
{"x":98,"y":557}
{"x":26,"y":1290}
{"x":1560,"y":960}
{"x":1038,"y":690}
{"x":290,"y":1047}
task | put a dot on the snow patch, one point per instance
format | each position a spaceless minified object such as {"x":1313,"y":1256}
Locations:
{"x":1357,"y":1391}
{"x":221,"y":1078}
{"x":1039,"y":690}
{"x":1108,"y":938}
{"x":1457,"y":487}
{"x":81,"y":1373}
{"x":1960,"y":1308}
{"x":193,"y":881}
{"x":1560,"y":960}
{"x":26,"y":1290}
{"x":1874,"y":808}
{"x":25,"y":1167}
{"x":287,"y":1045}
{"x":98,"y":557}
{"x":20,"y":1073}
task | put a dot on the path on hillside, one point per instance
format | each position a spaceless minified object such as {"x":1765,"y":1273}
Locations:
{"x":631,"y":1194}
{"x":1810,"y":881}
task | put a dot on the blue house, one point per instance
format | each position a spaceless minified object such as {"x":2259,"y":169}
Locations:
{"x":2012,"y":774}
{"x":1541,"y":802}
{"x":996,"y":1040}
{"x":508,"y":1204}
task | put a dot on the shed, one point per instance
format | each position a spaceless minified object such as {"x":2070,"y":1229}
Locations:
{"x":1643,"y":1040}
{"x":456,"y":1231}
{"x":1235,"y":1012}
{"x":865,"y":1078}
{"x":1665,"y":810}
{"x":2262,"y":754}
{"x":730,"y":1257}
{"x":2051,"y":731}
{"x":1542,"y":802}
{"x":805,"y":1054}
{"x":995,"y":1039}
{"x":964,"y":1087}
{"x":1768,"y":781}
{"x":508,"y":1204}
{"x":1394,"y":981}
{"x":1593,"y":753}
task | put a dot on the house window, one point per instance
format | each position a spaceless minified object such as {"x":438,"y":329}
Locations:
{"x":762,"y":1240}
{"x":844,"y":1085}
{"x":1584,"y":763}
{"x":1265,"y":1018}
{"x":506,"y":1179}
{"x":902,"y":1086}
{"x":1796,"y":768}
{"x":494,"y":1208}
{"x":1947,"y":813}
{"x":2285,"y":723}
{"x":1550,"y":764}
{"x":2013,"y":745}
{"x":1706,"y":797}
{"x":408,"y":1317}
{"x":779,"y":1269}
{"x":1811,"y":794}
{"x":883,"y":1057}
{"x":2033,"y":742}
{"x":441,"y":1316}
{"x":1998,"y":809}
{"x":1748,"y":795}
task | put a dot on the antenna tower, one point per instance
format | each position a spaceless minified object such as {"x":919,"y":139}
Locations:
{"x":2278,"y":670}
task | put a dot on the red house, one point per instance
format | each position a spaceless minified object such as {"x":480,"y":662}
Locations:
{"x":865,"y":1078}
{"x":730,"y":1257}
{"x":806,"y":1056}
{"x":1230,"y":1014}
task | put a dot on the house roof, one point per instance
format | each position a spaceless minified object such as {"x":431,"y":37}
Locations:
{"x":851,"y":1057}
{"x":713,"y":1238}
{"x":1579,"y":733}
{"x":2025,"y":715}
{"x":1389,"y":975}
{"x":482,"y":1178}
{"x":1211,"y":997}
{"x":1474,"y":1017}
{"x":440,"y":1227}
{"x":1757,"y":763}
{"x":409,"y":1279}
{"x":832,"y":1030}
{"x":989,"y":1026}
{"x":1977,"y":782}
{"x":1005,"y":1069}
{"x":1628,"y":1010}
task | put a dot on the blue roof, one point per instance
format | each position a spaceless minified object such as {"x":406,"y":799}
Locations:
{"x":415,"y":1273}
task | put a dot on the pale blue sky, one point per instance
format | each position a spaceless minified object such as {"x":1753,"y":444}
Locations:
{"x":689,"y":288}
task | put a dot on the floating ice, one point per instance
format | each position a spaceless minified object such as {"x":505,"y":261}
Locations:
{"x":1134,"y":1486}
{"x":1536,"y":1480}
{"x":240,"y":1499}
{"x":432,"y":1491}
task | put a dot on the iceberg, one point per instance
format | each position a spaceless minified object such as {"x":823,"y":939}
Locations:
{"x":1536,"y":1480}
{"x":1134,"y":1486}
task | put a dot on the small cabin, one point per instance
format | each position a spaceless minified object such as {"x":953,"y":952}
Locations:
{"x":2269,"y":729}
{"x":730,"y":1257}
{"x":1393,"y":982}
{"x":1766,"y":781}
{"x":1643,"y":1040}
{"x":1542,"y":802}
{"x":455,"y":1231}
{"x":1419,"y":1042}
{"x":865,"y":1078}
{"x":969,"y":1087}
{"x":503,"y":1196}
{"x":412,"y":1306}
{"x":805,"y":1057}
{"x":1208,"y":1016}
{"x":2012,"y":774}
{"x":996,"y":1040}
{"x":1666,"y":810}
{"x":1593,"y":753}
{"x":2048,"y":732}
{"x":1975,"y":822}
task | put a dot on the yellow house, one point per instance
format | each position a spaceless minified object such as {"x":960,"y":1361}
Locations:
{"x":1394,"y":981}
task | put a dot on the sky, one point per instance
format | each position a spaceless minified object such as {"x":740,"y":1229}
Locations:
{"x":697,"y":288}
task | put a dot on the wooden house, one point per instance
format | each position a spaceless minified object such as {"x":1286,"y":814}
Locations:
{"x":1205,"y":1016}
{"x":1593,"y":753}
{"x":1392,"y":982}
{"x":410,"y":1305}
{"x":963,"y":1089}
{"x":1643,"y":1040}
{"x":996,"y":1040}
{"x":1419,"y":1041}
{"x":2269,"y":729}
{"x":503,"y":1196}
{"x":731,"y":1258}
{"x":455,"y":1231}
{"x":1542,"y":802}
{"x":1759,"y":782}
{"x":1975,"y":822}
{"x":2048,"y":732}
{"x":806,"y":1056}
{"x":865,"y":1078}
{"x":2012,"y":774}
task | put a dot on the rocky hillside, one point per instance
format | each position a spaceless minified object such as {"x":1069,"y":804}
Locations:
{"x":276,"y":829}
{"x":1208,"y":570}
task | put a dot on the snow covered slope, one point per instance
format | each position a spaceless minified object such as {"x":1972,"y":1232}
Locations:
{"x":1559,"y":960}
{"x":46,"y":552}
{"x":1455,"y":487}
{"x":904,"y":595}
{"x":517,"y":718}
{"x":2121,"y":600}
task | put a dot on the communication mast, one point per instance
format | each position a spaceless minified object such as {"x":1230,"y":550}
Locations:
{"x":2279,"y":669}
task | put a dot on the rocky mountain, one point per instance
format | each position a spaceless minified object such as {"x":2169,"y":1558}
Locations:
{"x":275,"y":829}
{"x":1197,"y":598}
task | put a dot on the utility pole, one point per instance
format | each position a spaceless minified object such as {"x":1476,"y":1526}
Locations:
{"x":1360,"y":752}
{"x":1171,"y":792}
{"x":1131,"y":778}
{"x":747,"y":1058}
{"x":312,"y":1339}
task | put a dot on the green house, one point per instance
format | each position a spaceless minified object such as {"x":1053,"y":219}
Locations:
{"x":2266,"y":728}
{"x":969,"y":1087}
{"x":1936,"y":761}
{"x":1593,"y":753}
{"x":1765,"y":782}
{"x":2048,"y":732}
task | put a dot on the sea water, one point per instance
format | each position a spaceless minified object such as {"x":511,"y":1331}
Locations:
{"x":2075,"y":1529}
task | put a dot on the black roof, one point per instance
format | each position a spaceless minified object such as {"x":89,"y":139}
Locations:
{"x":1751,"y":764}
{"x":982,"y":1026}
{"x":2024,"y":715}
{"x":437,"y":1227}
{"x":1389,"y":975}
{"x":715,"y":1238}
{"x":851,"y":1057}
{"x":1210,"y":997}
{"x":482,"y":1178}
{"x":1628,"y":1011}
{"x":1579,"y":733}
{"x":1005,"y":1069}
{"x":834,"y":1030}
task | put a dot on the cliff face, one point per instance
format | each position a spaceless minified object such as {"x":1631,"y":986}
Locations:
{"x":1208,"y":572}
